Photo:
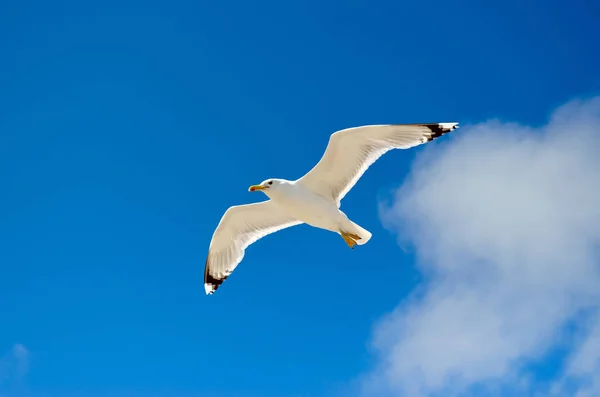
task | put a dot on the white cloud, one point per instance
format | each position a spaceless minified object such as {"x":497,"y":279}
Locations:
{"x":581,"y":377}
{"x":505,"y":222}
{"x":13,"y":366}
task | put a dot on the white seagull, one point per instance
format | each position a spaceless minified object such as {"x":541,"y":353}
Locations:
{"x":313,"y":199}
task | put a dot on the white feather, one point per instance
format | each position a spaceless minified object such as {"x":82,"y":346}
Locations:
{"x":352,"y":151}
{"x":239,"y":227}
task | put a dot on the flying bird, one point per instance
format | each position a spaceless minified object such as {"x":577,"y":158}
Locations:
{"x":313,"y":199}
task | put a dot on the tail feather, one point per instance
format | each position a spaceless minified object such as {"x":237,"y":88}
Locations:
{"x":364,"y":234}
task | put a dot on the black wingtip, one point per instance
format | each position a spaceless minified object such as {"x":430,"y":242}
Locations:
{"x":211,"y":283}
{"x":439,"y":129}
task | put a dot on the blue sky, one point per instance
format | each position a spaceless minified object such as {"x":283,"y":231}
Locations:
{"x":127,"y":129}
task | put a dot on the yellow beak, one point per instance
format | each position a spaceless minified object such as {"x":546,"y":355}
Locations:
{"x":254,"y":188}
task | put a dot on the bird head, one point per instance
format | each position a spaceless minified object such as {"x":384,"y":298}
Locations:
{"x":265,"y":186}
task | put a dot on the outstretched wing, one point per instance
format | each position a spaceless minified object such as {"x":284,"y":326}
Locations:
{"x":351,"y":152}
{"x":239,"y":227}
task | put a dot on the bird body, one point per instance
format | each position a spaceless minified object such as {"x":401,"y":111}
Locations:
{"x":311,"y":208}
{"x":314,"y":199}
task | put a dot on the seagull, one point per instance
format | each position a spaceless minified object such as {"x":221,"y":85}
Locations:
{"x":313,"y":199}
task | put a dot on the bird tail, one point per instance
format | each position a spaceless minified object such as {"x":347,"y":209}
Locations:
{"x":361,"y":232}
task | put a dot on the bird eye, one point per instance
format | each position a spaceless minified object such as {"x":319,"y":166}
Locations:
{"x":270,"y":182}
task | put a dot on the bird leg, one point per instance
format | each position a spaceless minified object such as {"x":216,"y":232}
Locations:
{"x":350,"y":239}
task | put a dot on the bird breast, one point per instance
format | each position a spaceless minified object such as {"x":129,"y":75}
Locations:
{"x":308,"y":207}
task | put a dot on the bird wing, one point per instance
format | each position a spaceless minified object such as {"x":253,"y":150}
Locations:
{"x":350,"y":152}
{"x":239,"y":227}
